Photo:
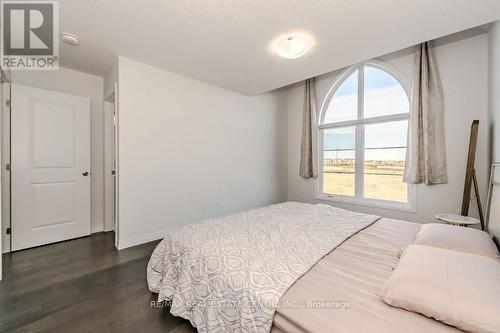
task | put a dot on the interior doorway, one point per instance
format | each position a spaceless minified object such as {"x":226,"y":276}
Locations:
{"x":109,"y":181}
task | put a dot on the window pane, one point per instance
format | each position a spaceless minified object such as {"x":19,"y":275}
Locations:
{"x":344,"y":104}
{"x":384,"y":95}
{"x":385,"y":150}
{"x":339,"y":161}
{"x":384,"y":175}
{"x":339,"y":139}
{"x":385,"y":135}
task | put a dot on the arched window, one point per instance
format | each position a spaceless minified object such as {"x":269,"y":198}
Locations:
{"x":362,"y":133}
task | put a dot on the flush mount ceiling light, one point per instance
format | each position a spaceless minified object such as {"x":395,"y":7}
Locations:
{"x":70,"y":39}
{"x":292,"y":45}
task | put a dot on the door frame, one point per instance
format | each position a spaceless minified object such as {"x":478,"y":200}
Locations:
{"x":4,"y":167}
{"x":4,"y":97}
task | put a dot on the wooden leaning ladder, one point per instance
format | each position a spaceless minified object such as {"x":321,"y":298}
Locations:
{"x":470,"y":175}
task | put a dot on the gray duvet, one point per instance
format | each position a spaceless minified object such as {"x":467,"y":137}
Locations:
{"x":228,"y":274}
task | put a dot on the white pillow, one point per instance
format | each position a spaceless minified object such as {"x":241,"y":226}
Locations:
{"x":456,"y":238}
{"x":459,"y":289}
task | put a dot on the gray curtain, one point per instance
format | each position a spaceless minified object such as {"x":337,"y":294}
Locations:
{"x":426,"y":154}
{"x":308,"y":149}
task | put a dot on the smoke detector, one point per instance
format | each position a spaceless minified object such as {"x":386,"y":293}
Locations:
{"x":70,"y":39}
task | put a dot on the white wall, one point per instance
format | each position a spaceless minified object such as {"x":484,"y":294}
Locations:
{"x":82,"y":84}
{"x":189,"y":151}
{"x":463,"y":64}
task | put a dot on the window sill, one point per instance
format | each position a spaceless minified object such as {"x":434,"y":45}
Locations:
{"x":390,"y":205}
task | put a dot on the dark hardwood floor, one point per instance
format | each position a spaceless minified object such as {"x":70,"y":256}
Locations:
{"x":82,"y":285}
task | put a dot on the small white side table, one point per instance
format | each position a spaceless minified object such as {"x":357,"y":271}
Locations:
{"x":463,"y":221}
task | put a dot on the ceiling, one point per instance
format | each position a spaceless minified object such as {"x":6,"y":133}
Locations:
{"x":226,"y":43}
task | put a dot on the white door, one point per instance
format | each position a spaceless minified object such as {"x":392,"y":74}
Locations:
{"x":50,"y":161}
{"x":109,"y":166}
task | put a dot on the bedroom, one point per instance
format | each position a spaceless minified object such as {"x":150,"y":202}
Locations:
{"x":192,"y":114}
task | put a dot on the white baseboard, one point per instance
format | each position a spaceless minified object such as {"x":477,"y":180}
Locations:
{"x":141,"y":239}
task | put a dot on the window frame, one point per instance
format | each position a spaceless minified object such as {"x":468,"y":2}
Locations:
{"x":359,"y":123}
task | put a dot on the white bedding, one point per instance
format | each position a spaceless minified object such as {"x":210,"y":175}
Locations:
{"x":228,"y":274}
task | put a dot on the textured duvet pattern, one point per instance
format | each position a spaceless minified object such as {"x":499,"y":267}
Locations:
{"x":228,"y":274}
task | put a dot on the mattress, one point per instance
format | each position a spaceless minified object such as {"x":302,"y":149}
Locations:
{"x":339,"y":294}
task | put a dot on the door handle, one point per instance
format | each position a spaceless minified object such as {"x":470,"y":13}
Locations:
{"x":85,"y":173}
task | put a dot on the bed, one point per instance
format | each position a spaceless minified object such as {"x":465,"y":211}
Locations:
{"x":290,"y":267}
